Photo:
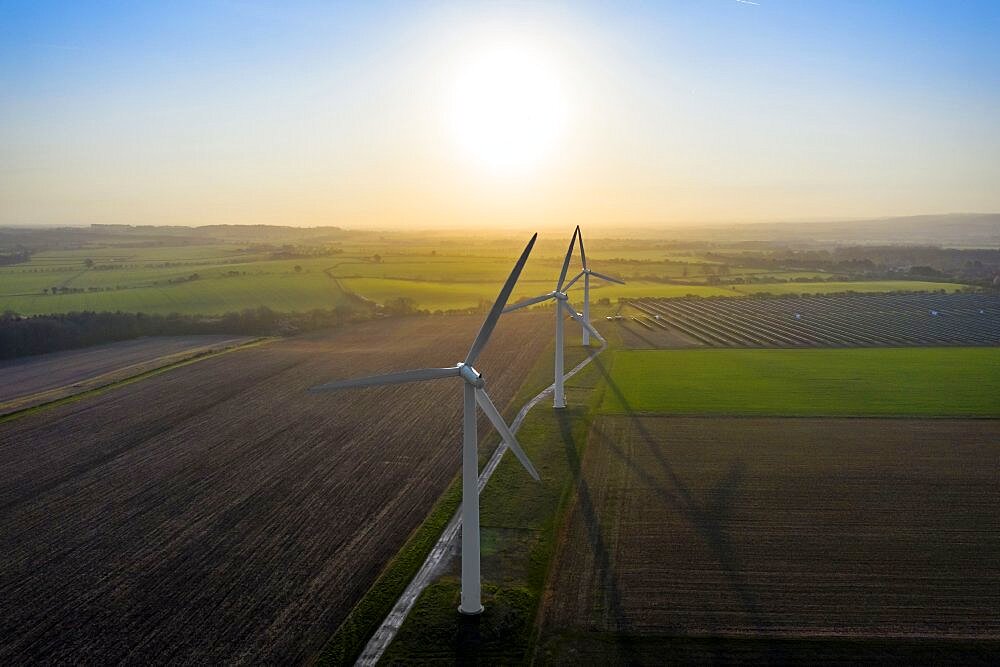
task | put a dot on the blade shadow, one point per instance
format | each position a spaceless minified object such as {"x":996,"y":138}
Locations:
{"x":602,"y":556}
{"x":707,"y":518}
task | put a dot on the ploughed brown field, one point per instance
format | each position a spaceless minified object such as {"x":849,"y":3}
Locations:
{"x":31,"y":381}
{"x":219,"y":512}
{"x":869,"y":530}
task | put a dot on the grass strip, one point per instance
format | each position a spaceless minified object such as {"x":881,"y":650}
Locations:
{"x":521,"y":523}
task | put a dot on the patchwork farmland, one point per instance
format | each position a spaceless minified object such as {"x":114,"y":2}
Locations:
{"x":218,"y":512}
{"x":854,"y":320}
{"x":686,"y":516}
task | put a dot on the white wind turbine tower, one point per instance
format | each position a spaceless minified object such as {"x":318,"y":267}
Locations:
{"x":473,"y":393}
{"x":585,"y":274}
{"x":559,"y":295}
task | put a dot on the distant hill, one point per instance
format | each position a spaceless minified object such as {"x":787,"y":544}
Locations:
{"x":239,"y":233}
{"x":39,"y":238}
{"x":960,"y":230}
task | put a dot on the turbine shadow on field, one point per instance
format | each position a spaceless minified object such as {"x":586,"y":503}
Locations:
{"x":652,"y":345}
{"x":708,"y":519}
{"x":591,"y":522}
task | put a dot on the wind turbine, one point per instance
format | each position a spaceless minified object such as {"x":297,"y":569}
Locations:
{"x":559,"y":296}
{"x":474,"y":393}
{"x":585,"y":274}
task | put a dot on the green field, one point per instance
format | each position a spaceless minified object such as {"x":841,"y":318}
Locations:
{"x":282,"y":291}
{"x":154,"y":274}
{"x":429,"y":295}
{"x":895,"y":381}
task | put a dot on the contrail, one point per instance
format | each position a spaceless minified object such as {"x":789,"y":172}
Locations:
{"x":748,"y":2}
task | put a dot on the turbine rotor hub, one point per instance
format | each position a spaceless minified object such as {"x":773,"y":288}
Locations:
{"x":471,"y":375}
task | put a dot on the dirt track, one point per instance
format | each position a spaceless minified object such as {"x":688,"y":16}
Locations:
{"x":862,"y":528}
{"x":218,"y":512}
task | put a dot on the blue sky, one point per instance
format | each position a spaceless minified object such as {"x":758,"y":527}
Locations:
{"x":314,"y":113}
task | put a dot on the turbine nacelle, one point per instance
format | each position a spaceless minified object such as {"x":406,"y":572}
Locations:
{"x":586,"y":274}
{"x":471,"y":375}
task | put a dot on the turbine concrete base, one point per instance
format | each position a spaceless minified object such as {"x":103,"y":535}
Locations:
{"x":477,"y":612}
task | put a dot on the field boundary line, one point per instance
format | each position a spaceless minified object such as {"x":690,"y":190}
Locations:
{"x":445,"y":547}
{"x":122,"y":373}
{"x":94,"y":391}
{"x":779,"y":415}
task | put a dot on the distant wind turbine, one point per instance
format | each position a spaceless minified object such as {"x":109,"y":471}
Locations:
{"x":559,"y":296}
{"x":474,"y":393}
{"x":585,"y":274}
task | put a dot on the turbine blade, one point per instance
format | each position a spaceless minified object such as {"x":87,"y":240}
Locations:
{"x":501,"y":426}
{"x":565,"y":267}
{"x":389,"y":378}
{"x":583,"y":253}
{"x":491,"y":320}
{"x":576,"y":316}
{"x":575,"y":278}
{"x":528,"y":302}
{"x":608,"y":278}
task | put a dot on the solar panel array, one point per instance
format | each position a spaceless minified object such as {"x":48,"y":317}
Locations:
{"x":851,"y":320}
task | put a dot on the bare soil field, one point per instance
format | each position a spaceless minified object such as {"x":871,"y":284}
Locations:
{"x":218,"y":512}
{"x":47,"y":377}
{"x":831,"y":538}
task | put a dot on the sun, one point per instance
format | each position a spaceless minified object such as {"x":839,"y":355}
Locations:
{"x":507,"y":110}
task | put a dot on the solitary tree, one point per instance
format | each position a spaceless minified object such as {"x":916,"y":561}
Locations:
{"x":298,"y":269}
{"x":89,"y":263}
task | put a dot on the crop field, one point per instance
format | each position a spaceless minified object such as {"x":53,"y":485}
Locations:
{"x":869,"y":320}
{"x":892,"y":381}
{"x":218,"y":512}
{"x":35,"y":380}
{"x":218,"y":288}
{"x":454,"y":273}
{"x":432,"y":296}
{"x":831,"y":539}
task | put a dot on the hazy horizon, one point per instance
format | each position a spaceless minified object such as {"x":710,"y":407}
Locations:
{"x":543,"y":227}
{"x":452,"y":116}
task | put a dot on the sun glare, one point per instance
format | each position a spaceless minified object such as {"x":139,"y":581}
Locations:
{"x":507,"y":109}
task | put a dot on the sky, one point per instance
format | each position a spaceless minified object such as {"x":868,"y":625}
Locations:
{"x":496,"y":115}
